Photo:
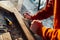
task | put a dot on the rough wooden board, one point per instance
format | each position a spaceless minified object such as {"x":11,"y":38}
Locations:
{"x":4,"y":4}
{"x":19,"y":18}
{"x":5,"y":36}
{"x":23,"y":26}
{"x":1,"y":38}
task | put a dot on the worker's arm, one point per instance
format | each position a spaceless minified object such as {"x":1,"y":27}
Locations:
{"x":44,"y":13}
{"x":46,"y":33}
{"x":51,"y":34}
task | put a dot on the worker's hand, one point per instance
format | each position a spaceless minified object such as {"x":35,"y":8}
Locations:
{"x":27,"y":16}
{"x":36,"y":26}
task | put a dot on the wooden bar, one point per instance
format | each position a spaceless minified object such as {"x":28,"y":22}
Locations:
{"x":20,"y":20}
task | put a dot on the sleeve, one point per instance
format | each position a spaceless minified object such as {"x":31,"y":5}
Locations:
{"x":45,"y":12}
{"x":50,"y":34}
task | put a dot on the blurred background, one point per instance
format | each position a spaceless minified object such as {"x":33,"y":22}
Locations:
{"x":32,"y":6}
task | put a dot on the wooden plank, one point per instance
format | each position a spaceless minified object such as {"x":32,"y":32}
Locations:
{"x":23,"y":26}
{"x":4,"y":4}
{"x":19,"y":18}
{"x":6,"y":36}
{"x":1,"y":38}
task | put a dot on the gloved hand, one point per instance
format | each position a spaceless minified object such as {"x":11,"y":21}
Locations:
{"x":36,"y":26}
{"x":27,"y":15}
